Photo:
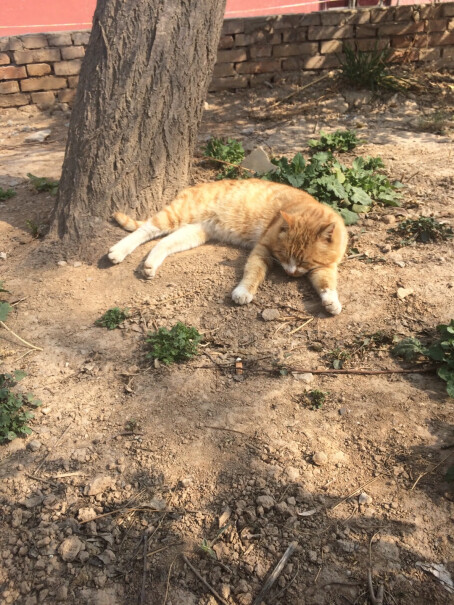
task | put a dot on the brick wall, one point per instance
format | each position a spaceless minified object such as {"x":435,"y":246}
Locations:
{"x":43,"y":69}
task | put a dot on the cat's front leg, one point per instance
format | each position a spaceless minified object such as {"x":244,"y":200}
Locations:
{"x":128,"y":244}
{"x":324,"y":281}
{"x":254,"y":273}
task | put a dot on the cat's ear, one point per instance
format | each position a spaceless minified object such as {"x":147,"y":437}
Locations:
{"x":326,"y":233}
{"x":289,"y":220}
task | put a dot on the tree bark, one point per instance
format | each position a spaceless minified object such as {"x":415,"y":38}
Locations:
{"x":137,"y":110}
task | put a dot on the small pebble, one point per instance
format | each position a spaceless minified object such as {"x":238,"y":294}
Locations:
{"x":320,"y":458}
{"x":34,"y":445}
{"x":364,"y":498}
{"x":270,"y":314}
{"x":62,"y":263}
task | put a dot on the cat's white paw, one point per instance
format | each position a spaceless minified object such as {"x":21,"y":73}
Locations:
{"x":149,"y":271}
{"x":117,"y":254}
{"x":330,"y":301}
{"x":241,"y":295}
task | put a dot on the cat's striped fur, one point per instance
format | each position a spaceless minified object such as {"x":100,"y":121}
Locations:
{"x":277,"y":221}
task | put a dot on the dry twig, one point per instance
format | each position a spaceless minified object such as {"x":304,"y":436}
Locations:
{"x":204,"y":582}
{"x":28,"y":344}
{"x":430,"y":471}
{"x":275,"y":574}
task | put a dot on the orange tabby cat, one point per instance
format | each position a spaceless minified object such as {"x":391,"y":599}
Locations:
{"x":277,"y":221}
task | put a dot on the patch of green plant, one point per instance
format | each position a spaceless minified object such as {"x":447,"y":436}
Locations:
{"x":132,"y":425}
{"x":177,"y":344}
{"x":14,"y":408}
{"x":42,"y":183}
{"x":424,"y":229}
{"x":5,"y":308}
{"x":317,"y":398}
{"x":338,"y":357}
{"x":357,"y":349}
{"x":112,"y":318}
{"x":226,"y":150}
{"x":5,"y":194}
{"x":440,"y":351}
{"x":341,"y":141}
{"x":369,"y":69}
{"x":36,"y":229}
{"x":439,"y":122}
{"x":350,"y":191}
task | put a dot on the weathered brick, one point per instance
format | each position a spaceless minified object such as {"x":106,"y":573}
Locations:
{"x":357,"y":17}
{"x":66,"y":96}
{"x":59,"y":39}
{"x":228,"y":56}
{"x":310,"y":19}
{"x":44,"y":100}
{"x":16,"y":100}
{"x":80,"y":38}
{"x":430,"y":11}
{"x":448,"y":9}
{"x":72,"y":52}
{"x":4,"y":59}
{"x":429,"y":54}
{"x":259,"y":67}
{"x":417,"y":41}
{"x":34,"y":41}
{"x":399,"y":29}
{"x":382,"y":15}
{"x":438,"y":39}
{"x":67,"y":68}
{"x":38,"y":69}
{"x":232,"y":26}
{"x":10,"y":44}
{"x":295,"y":35}
{"x":310,"y":62}
{"x":225,"y":42}
{"x":368,"y":44}
{"x":403,"y":13}
{"x":260,"y":37}
{"x":437,"y":25}
{"x":44,"y":83}
{"x":332,"y":18}
{"x":228,"y":83}
{"x":223,"y":70}
{"x":290,"y":50}
{"x":73,"y":81}
{"x":40,"y":55}
{"x":447,"y":53}
{"x":12,"y":72}
{"x":404,"y":55}
{"x":327,"y":33}
{"x":6,"y":88}
{"x":260,"y":79}
{"x":331,"y":46}
{"x":366,"y":31}
{"x":259,"y":52}
{"x":450,"y":24}
{"x":265,"y":24}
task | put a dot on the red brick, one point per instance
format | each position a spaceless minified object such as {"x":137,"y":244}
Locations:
{"x":60,"y":39}
{"x":259,"y":67}
{"x":436,"y":39}
{"x":4,"y":59}
{"x":450,"y":24}
{"x":447,"y":53}
{"x":68,"y":68}
{"x":34,"y":41}
{"x":66,"y":96}
{"x":73,"y":81}
{"x":233,"y":26}
{"x":6,"y":88}
{"x":224,"y":69}
{"x":14,"y":100}
{"x":44,"y":83}
{"x":228,"y":83}
{"x":448,"y":9}
{"x":40,"y":55}
{"x":38,"y":69}
{"x":12,"y":72}
{"x":327,"y":33}
{"x":367,"y":31}
{"x":418,"y":41}
{"x":403,"y":13}
{"x":429,"y":54}
{"x":234,"y":55}
{"x":290,"y":50}
{"x":72,"y":52}
{"x":399,"y":29}
{"x":44,"y":100}
{"x":81,"y":38}
{"x":437,"y":25}
{"x":225,"y":42}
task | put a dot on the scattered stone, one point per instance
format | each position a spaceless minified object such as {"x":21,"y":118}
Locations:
{"x":266,"y":502}
{"x":258,"y":161}
{"x":307,"y":377}
{"x":364,"y":498}
{"x":313,"y":557}
{"x":107,"y":557}
{"x":157,"y":504}
{"x":225,"y":516}
{"x":77,"y":264}
{"x":399,"y":263}
{"x":356,"y":98}
{"x":98,"y":485}
{"x":70,"y":548}
{"x":292,"y":473}
{"x":2,"y":255}
{"x":386,"y":248}
{"x":16,"y":517}
{"x":389,"y":219}
{"x":347,"y":546}
{"x":343,"y":411}
{"x":320,"y":458}
{"x":62,"y":593}
{"x":270,"y":314}
{"x":33,"y":501}
{"x":34,"y":445}
{"x":86,"y":514}
{"x":187,"y":481}
{"x":38,"y":137}
{"x":404,"y":292}
{"x":62,"y":263}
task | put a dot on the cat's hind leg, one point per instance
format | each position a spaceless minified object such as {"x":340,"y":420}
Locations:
{"x":128,"y":244}
{"x":324,"y":280}
{"x":185,"y":238}
{"x":254,"y":273}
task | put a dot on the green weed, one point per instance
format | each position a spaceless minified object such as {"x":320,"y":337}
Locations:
{"x":5,"y":308}
{"x":317,"y":398}
{"x":369,"y":69}
{"x":424,"y":229}
{"x":14,"y":408}
{"x":177,"y":344}
{"x":440,"y":351}
{"x":42,"y":183}
{"x":5,"y":194}
{"x":439,"y":122}
{"x":226,"y":150}
{"x":341,"y":141}
{"x":36,"y":229}
{"x":112,"y":318}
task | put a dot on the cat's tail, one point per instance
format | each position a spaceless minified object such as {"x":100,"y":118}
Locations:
{"x":125,"y":221}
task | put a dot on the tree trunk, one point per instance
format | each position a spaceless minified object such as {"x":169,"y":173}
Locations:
{"x":137,"y":111}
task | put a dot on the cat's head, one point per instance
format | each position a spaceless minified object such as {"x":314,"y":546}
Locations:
{"x":302,"y":245}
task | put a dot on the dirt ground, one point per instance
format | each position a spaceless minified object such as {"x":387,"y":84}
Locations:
{"x":130,"y":467}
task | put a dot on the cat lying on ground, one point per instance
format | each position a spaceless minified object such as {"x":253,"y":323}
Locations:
{"x":277,"y":221}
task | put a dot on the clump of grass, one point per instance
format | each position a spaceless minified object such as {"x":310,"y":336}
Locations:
{"x":317,"y":398}
{"x":36,"y":229}
{"x":14,"y":408}
{"x":424,"y":229}
{"x":226,"y":150}
{"x":439,"y":122}
{"x":177,"y":344}
{"x":340,"y":141}
{"x":42,"y":183}
{"x":112,"y":318}
{"x":5,"y":194}
{"x":369,"y":69}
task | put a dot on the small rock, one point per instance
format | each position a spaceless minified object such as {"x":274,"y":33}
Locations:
{"x":77,"y":264}
{"x":225,"y":516}
{"x":187,"y":481}
{"x":270,"y":314}
{"x":157,"y":504}
{"x":16,"y":517}
{"x":70,"y":548}
{"x":347,"y":546}
{"x":62,"y":263}
{"x":343,"y":411}
{"x":107,"y":557}
{"x":320,"y":458}
{"x":258,"y":161}
{"x":98,"y":485}
{"x":292,"y":473}
{"x":34,"y":445}
{"x":389,"y":219}
{"x":404,"y":292}
{"x":365,"y":498}
{"x":226,"y":589}
{"x":266,"y":502}
{"x":62,"y":593}
{"x":38,"y":137}
{"x":307,"y":377}
{"x":2,"y":255}
{"x":33,"y":501}
{"x":399,"y":263}
{"x":386,"y":248}
{"x":86,"y":514}
{"x":247,"y":131}
{"x":312,"y":556}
